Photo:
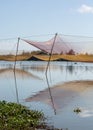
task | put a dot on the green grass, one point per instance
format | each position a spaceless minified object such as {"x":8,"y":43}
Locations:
{"x":17,"y":117}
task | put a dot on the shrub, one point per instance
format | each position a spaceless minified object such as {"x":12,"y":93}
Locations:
{"x":14,"y":116}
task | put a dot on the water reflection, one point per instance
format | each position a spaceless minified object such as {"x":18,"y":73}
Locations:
{"x":12,"y":82}
{"x":70,"y":68}
{"x":50,"y":93}
{"x":65,"y":70}
{"x":16,"y":87}
{"x":62,"y":94}
{"x":19,"y":72}
{"x":66,"y":86}
{"x":86,"y":113}
{"x":41,"y":68}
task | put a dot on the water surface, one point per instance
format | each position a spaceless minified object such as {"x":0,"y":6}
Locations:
{"x":68,"y":85}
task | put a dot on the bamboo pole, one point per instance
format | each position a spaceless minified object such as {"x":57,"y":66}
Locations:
{"x":16,"y":53}
{"x":51,"y":53}
{"x":14,"y":71}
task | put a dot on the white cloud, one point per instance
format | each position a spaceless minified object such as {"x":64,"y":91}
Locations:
{"x":85,"y":9}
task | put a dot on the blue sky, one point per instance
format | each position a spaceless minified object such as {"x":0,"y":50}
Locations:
{"x":35,"y":17}
{"x":22,"y":18}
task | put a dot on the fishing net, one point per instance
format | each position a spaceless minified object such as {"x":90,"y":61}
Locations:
{"x":9,"y":47}
{"x":65,"y":44}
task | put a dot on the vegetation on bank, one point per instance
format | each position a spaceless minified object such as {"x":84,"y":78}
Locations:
{"x":17,"y":117}
{"x":43,"y":57}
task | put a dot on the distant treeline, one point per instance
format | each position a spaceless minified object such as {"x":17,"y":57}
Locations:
{"x":39,"y":52}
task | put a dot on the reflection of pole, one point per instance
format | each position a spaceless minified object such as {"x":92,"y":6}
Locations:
{"x":50,"y":74}
{"x":51,"y":53}
{"x":66,"y":70}
{"x":51,"y":95}
{"x":17,"y":98}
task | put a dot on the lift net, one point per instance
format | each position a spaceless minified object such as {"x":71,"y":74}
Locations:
{"x":9,"y":46}
{"x":65,"y":44}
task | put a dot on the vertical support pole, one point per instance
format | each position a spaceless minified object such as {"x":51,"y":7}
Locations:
{"x":51,"y":53}
{"x":16,"y":54}
{"x":14,"y":71}
{"x":47,"y":77}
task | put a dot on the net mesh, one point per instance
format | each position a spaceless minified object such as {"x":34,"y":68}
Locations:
{"x":64,"y":44}
{"x":9,"y":46}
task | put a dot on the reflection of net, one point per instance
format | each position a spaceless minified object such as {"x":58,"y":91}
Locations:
{"x":65,"y":44}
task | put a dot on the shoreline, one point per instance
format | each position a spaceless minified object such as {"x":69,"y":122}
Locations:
{"x":30,"y":57}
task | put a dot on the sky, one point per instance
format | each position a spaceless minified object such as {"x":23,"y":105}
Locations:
{"x":22,"y":18}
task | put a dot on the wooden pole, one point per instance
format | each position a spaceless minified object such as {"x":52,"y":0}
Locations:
{"x":51,"y":53}
{"x":47,"y":77}
{"x":14,"y":70}
{"x":16,"y":54}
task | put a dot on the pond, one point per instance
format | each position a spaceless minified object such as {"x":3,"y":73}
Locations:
{"x":67,"y":86}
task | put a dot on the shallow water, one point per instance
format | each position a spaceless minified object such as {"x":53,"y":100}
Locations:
{"x":30,"y":86}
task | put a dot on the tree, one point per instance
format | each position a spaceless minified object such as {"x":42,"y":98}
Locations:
{"x":71,"y":52}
